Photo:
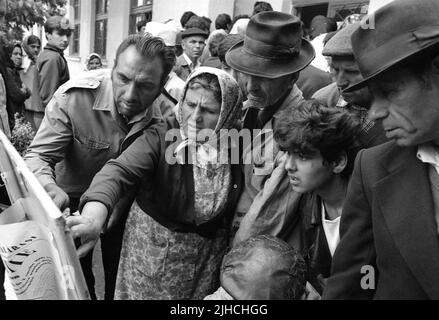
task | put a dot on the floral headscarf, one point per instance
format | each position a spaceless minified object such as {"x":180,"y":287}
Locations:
{"x":212,"y":175}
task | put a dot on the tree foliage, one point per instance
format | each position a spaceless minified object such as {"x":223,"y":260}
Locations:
{"x":18,"y":14}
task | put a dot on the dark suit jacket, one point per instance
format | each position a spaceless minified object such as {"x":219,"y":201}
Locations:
{"x":182,"y":68}
{"x":388,"y":222}
{"x":315,"y":249}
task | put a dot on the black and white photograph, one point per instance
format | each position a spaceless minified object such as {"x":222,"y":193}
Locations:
{"x":220,"y":154}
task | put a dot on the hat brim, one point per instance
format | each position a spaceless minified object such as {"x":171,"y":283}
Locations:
{"x":401,"y":59}
{"x":248,"y":63}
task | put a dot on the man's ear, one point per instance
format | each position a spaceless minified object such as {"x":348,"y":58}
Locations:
{"x":340,"y":163}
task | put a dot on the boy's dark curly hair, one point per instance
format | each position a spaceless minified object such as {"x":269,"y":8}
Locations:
{"x":313,"y":127}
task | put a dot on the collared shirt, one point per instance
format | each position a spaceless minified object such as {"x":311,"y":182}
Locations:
{"x":429,"y":154}
{"x":332,"y":230}
{"x":190,"y":63}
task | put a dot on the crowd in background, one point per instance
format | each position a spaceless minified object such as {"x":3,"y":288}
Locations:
{"x":340,"y":113}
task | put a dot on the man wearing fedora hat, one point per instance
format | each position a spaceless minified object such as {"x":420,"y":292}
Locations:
{"x":270,"y":58}
{"x":389,"y":246}
{"x":193,"y":41}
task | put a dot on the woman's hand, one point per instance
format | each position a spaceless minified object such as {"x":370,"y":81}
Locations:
{"x":88,"y":226}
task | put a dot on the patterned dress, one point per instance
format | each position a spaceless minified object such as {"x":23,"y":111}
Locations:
{"x":179,"y":265}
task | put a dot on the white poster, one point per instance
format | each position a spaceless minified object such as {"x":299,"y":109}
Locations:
{"x":36,"y":247}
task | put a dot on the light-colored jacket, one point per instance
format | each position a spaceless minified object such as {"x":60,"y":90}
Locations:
{"x":82,"y":130}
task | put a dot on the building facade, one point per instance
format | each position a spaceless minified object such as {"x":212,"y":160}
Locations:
{"x":101,"y":25}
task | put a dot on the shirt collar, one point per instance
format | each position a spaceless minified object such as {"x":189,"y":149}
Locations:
{"x":429,"y":154}
{"x":190,"y":63}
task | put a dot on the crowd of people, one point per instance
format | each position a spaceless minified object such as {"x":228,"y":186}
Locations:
{"x":257,"y":161}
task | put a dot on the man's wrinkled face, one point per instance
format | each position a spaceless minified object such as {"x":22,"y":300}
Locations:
{"x":407,"y":106}
{"x":59,"y":39}
{"x":264,"y":92}
{"x":347,"y":73}
{"x":136,"y":82}
{"x":193,"y":46}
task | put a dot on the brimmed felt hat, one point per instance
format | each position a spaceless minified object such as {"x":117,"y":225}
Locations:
{"x":392,"y":35}
{"x":194,"y":32}
{"x":273,"y":46}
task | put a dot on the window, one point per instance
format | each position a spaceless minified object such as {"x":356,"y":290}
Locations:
{"x":340,"y":12}
{"x":101,"y":27}
{"x":140,"y":10}
{"x":74,"y":40}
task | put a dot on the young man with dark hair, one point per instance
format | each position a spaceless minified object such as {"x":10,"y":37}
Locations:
{"x":92,"y":119}
{"x":321,"y":144}
{"x":51,"y":69}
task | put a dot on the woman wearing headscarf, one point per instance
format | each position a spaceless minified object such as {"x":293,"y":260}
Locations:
{"x":17,"y":90}
{"x":32,"y":48}
{"x":93,"y":62}
{"x":176,"y":232}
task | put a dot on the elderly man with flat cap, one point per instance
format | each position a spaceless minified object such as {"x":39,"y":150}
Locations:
{"x":389,"y":246}
{"x":51,"y":70}
{"x":346,"y":73}
{"x":193,"y":43}
{"x":270,"y":57}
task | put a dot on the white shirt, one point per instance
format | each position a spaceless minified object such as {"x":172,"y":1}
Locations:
{"x":427,"y":153}
{"x":190,"y":63}
{"x":332,"y":231}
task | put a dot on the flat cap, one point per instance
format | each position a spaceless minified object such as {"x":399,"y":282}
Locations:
{"x":194,"y":32}
{"x":340,"y":44}
{"x":58,"y":22}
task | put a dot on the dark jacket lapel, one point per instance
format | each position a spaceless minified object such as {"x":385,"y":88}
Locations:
{"x":405,"y":200}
